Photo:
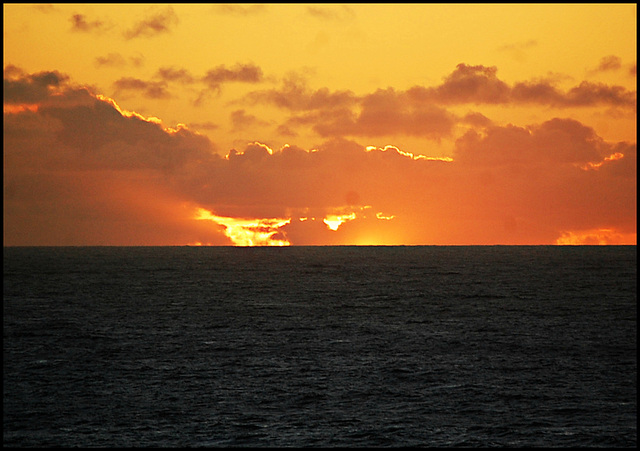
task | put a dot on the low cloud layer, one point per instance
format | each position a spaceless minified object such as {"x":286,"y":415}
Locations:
{"x":79,"y":170}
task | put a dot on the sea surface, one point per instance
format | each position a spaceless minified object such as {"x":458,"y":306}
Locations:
{"x":434,"y":346}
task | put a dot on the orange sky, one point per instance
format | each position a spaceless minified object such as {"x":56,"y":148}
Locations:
{"x":319,"y":124}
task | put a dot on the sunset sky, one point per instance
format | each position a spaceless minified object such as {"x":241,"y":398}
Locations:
{"x":319,"y":124}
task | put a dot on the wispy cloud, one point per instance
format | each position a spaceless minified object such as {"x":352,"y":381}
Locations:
{"x":241,"y":10}
{"x":518,"y":50}
{"x":117,"y":60}
{"x":160,"y":85}
{"x":608,"y":63}
{"x":155,"y":23}
{"x":332,"y":13}
{"x":245,"y":73}
{"x":149,"y":89}
{"x":79,"y":22}
{"x":175,"y":75}
{"x":241,"y":120}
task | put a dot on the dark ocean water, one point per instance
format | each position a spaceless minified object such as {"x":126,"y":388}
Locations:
{"x":320,"y":346}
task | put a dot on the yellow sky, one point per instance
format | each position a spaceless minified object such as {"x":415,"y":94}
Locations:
{"x":446,"y":81}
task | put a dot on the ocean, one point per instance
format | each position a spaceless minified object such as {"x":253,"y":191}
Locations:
{"x":345,"y":346}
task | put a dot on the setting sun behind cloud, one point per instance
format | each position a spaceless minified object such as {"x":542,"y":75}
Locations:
{"x":319,"y":124}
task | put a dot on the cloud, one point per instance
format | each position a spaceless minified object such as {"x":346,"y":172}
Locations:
{"x":389,"y":112}
{"x":608,"y":63}
{"x":149,"y":89}
{"x":342,"y":113}
{"x":46,"y":9}
{"x":173,"y":74}
{"x":602,"y":236}
{"x":285,"y":130}
{"x":476,"y":119}
{"x":240,"y":10}
{"x":467,"y":84}
{"x":245,"y":73}
{"x":586,"y":94}
{"x":559,"y":141}
{"x":520,"y":45}
{"x":480,"y":85}
{"x":295,"y":95}
{"x":518,"y":50}
{"x":214,"y":78}
{"x":332,"y":13}
{"x":241,"y":120}
{"x":81,"y":170}
{"x":117,"y":60}
{"x":249,"y":232}
{"x":156,"y":23}
{"x":385,"y":112}
{"x":421,"y":111}
{"x":79,"y":22}
{"x":19,"y":87}
{"x":208,"y":125}
{"x":112,"y":59}
{"x":158,"y":88}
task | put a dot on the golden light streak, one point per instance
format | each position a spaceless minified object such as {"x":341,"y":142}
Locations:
{"x":596,"y":166}
{"x":127,"y":113}
{"x":177,"y":129}
{"x":379,"y":215}
{"x":264,"y":146}
{"x":199,"y":244}
{"x":234,"y":152}
{"x":16,"y":109}
{"x":249,"y":232}
{"x":408,"y":154}
{"x":335,"y":221}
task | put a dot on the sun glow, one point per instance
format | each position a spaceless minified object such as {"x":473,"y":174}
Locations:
{"x":249,"y":232}
{"x":335,"y":221}
{"x":114,"y":135}
{"x":596,"y":237}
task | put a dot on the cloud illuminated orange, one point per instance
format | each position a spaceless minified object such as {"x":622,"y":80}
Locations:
{"x":468,"y":157}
